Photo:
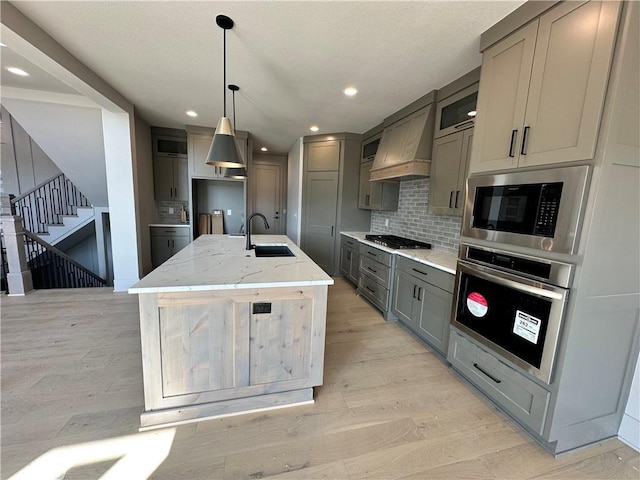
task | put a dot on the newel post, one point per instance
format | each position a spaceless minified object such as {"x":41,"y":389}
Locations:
{"x":19,"y":278}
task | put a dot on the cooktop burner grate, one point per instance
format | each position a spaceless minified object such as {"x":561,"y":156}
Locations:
{"x":395,"y":242}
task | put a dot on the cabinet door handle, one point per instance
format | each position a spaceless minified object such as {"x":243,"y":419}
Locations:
{"x":169,"y":243}
{"x":173,"y":244}
{"x":332,"y":230}
{"x":523,"y":149}
{"x":414,"y":291}
{"x":450,"y":198}
{"x":488,"y":375}
{"x":457,"y":195}
{"x":514,"y":134}
{"x":422,"y":273}
{"x":372,"y":269}
{"x":367,"y":200}
{"x":465,"y":124}
{"x":419,"y":294}
{"x":372,"y":291}
{"x":371,"y":253}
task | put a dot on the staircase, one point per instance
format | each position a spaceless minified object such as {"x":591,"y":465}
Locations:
{"x":55,"y":210}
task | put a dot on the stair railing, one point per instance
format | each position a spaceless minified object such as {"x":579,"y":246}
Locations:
{"x":52,"y":268}
{"x":48,"y":203}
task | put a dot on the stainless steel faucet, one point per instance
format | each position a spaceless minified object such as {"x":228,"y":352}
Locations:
{"x":266,"y":225}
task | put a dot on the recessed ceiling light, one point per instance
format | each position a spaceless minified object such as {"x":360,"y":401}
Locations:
{"x":314,"y":128}
{"x":472,"y":113}
{"x":350,"y":91}
{"x":264,"y":149}
{"x":191,"y":113}
{"x":18,"y":71}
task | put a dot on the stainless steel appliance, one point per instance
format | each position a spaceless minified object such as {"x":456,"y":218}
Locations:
{"x":538,"y":209}
{"x":514,"y":304}
{"x":396,"y":242}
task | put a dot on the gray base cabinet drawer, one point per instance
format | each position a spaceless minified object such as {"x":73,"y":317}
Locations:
{"x":377,"y":294}
{"x":376,"y":254}
{"x":521,"y":397}
{"x":375,"y":270}
{"x":426,"y":273}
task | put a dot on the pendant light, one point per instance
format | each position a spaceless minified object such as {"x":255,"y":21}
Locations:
{"x":233,"y":172}
{"x":224,"y":151}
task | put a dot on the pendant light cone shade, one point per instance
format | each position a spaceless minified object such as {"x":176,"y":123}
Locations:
{"x":224,"y":150}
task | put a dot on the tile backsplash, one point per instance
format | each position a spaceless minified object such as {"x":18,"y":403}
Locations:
{"x":163,"y":207}
{"x":412,"y":220}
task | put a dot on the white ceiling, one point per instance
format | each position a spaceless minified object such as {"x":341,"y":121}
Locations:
{"x":291,"y":59}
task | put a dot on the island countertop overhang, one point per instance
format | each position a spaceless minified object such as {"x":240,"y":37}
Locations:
{"x":220,"y":262}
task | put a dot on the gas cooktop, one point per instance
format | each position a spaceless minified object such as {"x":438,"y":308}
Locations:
{"x":395,"y":242}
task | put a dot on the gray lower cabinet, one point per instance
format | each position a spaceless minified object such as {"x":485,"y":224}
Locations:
{"x":422,"y":301}
{"x":376,"y":273}
{"x":350,"y":258}
{"x":518,"y":395}
{"x":166,"y":242}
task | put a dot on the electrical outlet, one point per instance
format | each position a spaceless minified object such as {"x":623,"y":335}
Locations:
{"x":386,"y":222}
{"x":228,"y":212}
{"x":170,"y":210}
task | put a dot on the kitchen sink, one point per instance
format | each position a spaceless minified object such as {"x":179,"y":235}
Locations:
{"x":273,"y":251}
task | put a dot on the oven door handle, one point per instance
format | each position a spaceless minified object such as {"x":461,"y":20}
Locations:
{"x":515,"y":282}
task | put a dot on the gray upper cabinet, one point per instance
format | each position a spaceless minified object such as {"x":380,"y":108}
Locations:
{"x":376,"y":195}
{"x":449,"y":171}
{"x":170,"y":178}
{"x":542,"y":88}
{"x":323,"y":156}
{"x":329,"y":200}
{"x":457,"y":111}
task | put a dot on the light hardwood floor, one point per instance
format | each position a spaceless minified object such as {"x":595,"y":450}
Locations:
{"x":389,"y":407}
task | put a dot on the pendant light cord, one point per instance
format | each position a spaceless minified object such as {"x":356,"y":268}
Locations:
{"x":233,"y":98}
{"x":224,"y":70}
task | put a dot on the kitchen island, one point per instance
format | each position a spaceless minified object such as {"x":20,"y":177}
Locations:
{"x":225,"y":332}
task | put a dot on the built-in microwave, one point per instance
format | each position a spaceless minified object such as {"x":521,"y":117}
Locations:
{"x":537,"y":209}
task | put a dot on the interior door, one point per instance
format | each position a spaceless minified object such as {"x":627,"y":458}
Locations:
{"x":267,"y":198}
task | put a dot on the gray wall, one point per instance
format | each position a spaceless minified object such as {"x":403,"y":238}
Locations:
{"x":145,"y":206}
{"x":72,"y":137}
{"x":24,"y":164}
{"x":413,"y":221}
{"x":222,"y":195}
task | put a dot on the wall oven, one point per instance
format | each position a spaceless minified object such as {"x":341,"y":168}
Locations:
{"x":513,"y":304}
{"x":536,"y":209}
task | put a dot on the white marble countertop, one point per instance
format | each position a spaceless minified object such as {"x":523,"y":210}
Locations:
{"x":171,"y":225}
{"x":439,"y":259}
{"x":220,"y":262}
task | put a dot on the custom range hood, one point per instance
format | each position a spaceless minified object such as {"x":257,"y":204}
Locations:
{"x":407,"y":140}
